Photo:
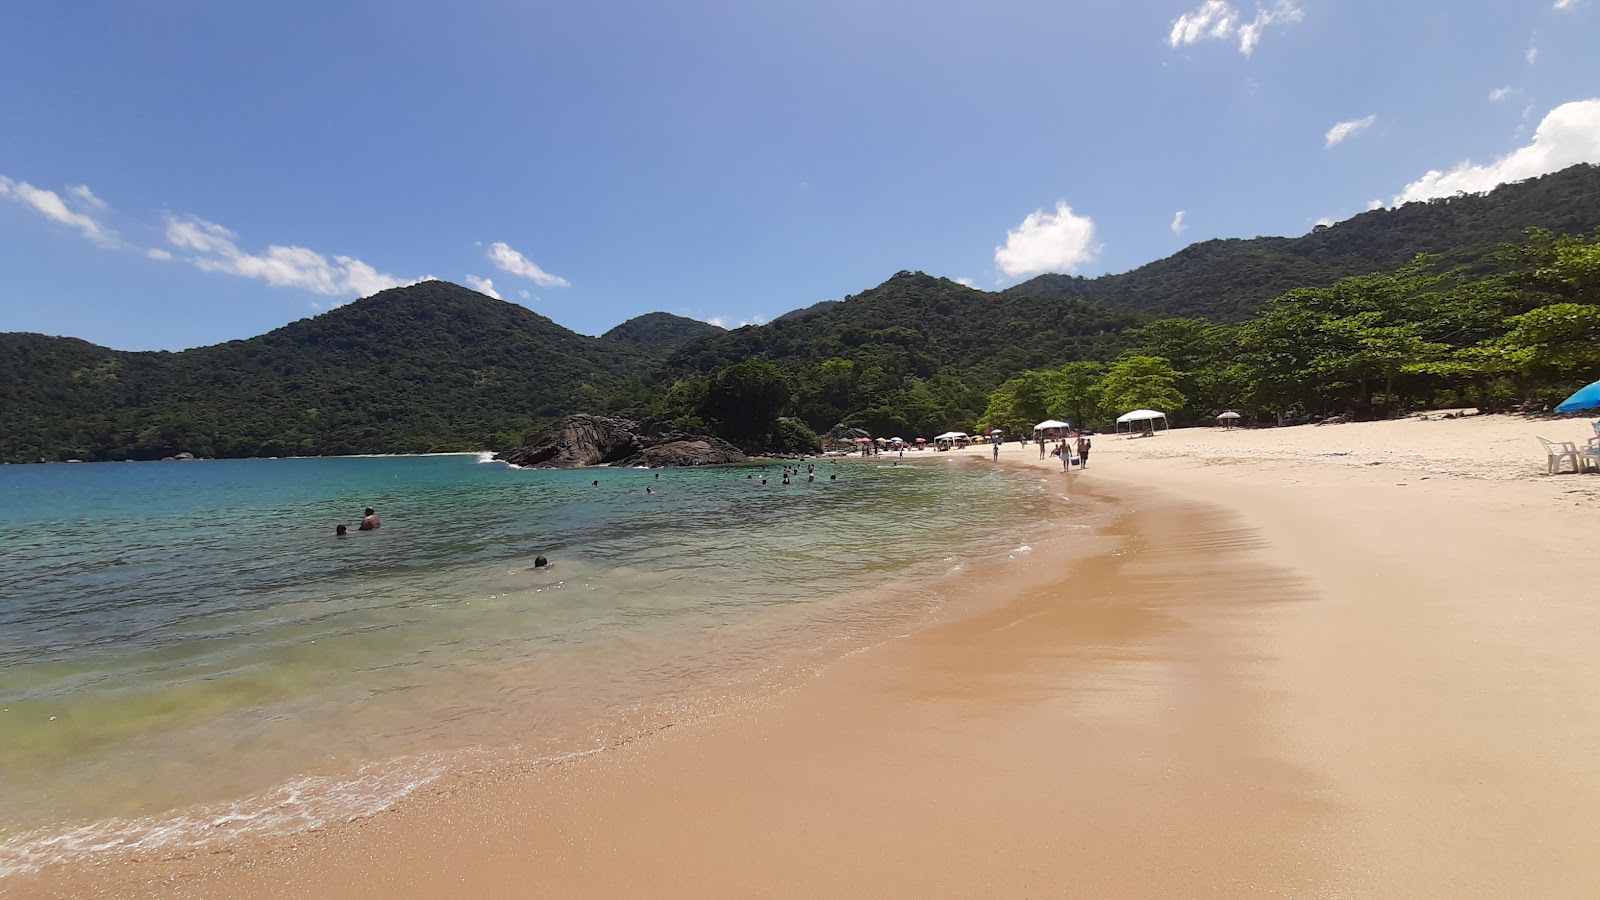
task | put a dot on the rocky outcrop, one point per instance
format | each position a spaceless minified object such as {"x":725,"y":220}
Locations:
{"x":842,"y":435}
{"x":703,"y":451}
{"x":585,"y":440}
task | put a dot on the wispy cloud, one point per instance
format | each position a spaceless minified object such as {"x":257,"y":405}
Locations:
{"x":1219,"y":20}
{"x":1499,"y":94}
{"x":1566,"y":4}
{"x":1048,"y":242}
{"x":1532,"y":55}
{"x":483,"y":286}
{"x":1568,"y":134}
{"x":54,"y":207}
{"x":1343,"y":131}
{"x":510,"y":260}
{"x":966,"y":282}
{"x":1177,"y":222}
{"x":212,"y":248}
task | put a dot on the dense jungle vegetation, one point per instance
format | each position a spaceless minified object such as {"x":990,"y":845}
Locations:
{"x":438,"y":367}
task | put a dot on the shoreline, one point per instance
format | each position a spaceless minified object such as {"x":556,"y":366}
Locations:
{"x":1265,"y":673}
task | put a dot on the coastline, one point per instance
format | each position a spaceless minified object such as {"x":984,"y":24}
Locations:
{"x":1266,"y":673}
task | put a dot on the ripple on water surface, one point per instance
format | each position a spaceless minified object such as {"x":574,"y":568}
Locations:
{"x":175,"y":636}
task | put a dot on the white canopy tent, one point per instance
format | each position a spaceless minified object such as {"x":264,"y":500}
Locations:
{"x":1048,"y":424}
{"x":1143,"y":420}
{"x":951,"y":436}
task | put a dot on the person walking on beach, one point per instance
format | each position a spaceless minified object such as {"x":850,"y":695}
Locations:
{"x":1042,"y":443}
{"x":1083,"y":452}
{"x":370,"y":522}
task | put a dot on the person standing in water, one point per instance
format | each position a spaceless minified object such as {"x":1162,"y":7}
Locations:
{"x":341,"y":531}
{"x":997,"y":451}
{"x":370,"y":521}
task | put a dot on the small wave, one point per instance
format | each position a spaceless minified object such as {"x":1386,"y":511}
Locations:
{"x":487,"y":456}
{"x":1023,"y":549}
{"x":305,"y":804}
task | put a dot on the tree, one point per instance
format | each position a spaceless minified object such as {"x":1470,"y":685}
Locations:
{"x":744,"y":401}
{"x":1140,"y":382}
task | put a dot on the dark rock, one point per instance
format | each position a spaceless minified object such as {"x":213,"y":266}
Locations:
{"x":585,"y":440}
{"x":842,"y":435}
{"x":702,"y":451}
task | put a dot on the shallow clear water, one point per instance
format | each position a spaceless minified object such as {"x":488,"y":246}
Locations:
{"x":178,"y":636}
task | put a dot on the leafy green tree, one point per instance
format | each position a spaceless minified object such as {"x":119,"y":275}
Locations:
{"x":744,"y":401}
{"x":1140,"y":382}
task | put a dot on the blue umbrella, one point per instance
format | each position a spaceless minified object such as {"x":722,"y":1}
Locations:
{"x":1585,"y":398}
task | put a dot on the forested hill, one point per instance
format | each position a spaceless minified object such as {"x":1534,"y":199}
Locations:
{"x":433,"y":366}
{"x":918,"y":324}
{"x":659,"y":333}
{"x":1230,"y":280}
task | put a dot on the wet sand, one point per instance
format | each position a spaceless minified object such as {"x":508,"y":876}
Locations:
{"x":1262,"y":676}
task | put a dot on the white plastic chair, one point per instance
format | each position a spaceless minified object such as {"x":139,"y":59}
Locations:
{"x":1557,"y":453}
{"x":1591,"y":455}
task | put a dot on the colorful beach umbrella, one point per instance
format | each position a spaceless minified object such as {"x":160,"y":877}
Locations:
{"x":1586,"y":398}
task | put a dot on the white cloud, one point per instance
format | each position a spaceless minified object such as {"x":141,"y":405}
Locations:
{"x":966,"y":282}
{"x":213,"y":250}
{"x":1569,"y":134}
{"x":1374,"y":204}
{"x":719,"y":321}
{"x":511,"y":261}
{"x":1533,"y":55}
{"x":1566,"y":4}
{"x":158,"y":253}
{"x":524,"y":295}
{"x":86,"y":196}
{"x":483,"y":286}
{"x":53,"y":207}
{"x":1177,"y":223}
{"x":1344,"y":130}
{"x":1214,"y":19}
{"x":1324,"y":222}
{"x":1499,"y":94}
{"x":1048,"y":243}
{"x":1219,"y":20}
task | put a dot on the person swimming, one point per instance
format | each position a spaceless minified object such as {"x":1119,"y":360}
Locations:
{"x":370,"y":522}
{"x":341,"y":531}
{"x":595,"y":483}
{"x":540,"y":562}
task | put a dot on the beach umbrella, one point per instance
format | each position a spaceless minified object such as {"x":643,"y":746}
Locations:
{"x":863,"y":440}
{"x":1230,"y":414}
{"x":997,"y":431}
{"x":1586,"y":398}
{"x":922,"y":440}
{"x":1048,"y":424}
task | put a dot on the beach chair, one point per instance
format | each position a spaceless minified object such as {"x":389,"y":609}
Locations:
{"x":1591,"y":455}
{"x":1557,"y":453}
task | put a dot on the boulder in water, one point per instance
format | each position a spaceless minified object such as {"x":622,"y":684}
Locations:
{"x":588,"y":440}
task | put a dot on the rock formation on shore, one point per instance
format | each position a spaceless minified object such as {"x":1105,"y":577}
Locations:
{"x":586,"y":440}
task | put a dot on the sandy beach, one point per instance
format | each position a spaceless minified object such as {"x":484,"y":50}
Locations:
{"x":1343,"y":661}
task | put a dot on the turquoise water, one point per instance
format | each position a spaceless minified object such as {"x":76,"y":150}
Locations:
{"x":189,"y":642}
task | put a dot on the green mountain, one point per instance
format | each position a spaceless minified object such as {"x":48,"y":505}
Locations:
{"x":1230,"y":280}
{"x":436,"y":366}
{"x":918,"y":324}
{"x":429,"y":367}
{"x":658,"y":333}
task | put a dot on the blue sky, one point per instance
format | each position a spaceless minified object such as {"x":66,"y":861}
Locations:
{"x":178,"y":172}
